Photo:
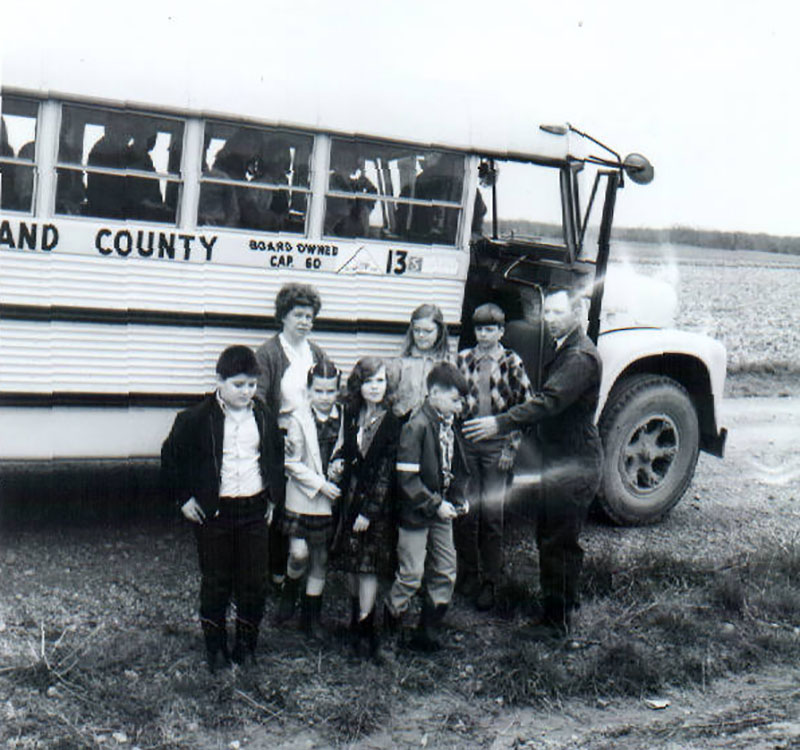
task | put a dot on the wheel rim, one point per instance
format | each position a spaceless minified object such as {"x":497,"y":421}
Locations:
{"x":649,"y":454}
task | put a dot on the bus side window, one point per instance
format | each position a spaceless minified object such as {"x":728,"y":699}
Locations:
{"x":391,"y":192}
{"x":118,"y":165}
{"x":255,"y":178}
{"x":18,"y":120}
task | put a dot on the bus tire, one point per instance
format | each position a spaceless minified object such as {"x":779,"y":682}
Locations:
{"x":651,"y":438}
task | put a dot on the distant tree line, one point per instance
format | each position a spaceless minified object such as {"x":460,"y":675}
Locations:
{"x":678,"y":235}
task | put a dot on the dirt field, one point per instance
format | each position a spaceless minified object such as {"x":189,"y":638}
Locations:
{"x":99,"y":647}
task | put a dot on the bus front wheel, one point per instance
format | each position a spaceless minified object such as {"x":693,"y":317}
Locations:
{"x":650,"y":435}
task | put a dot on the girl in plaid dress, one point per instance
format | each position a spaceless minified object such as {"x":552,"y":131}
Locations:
{"x":370,"y":431}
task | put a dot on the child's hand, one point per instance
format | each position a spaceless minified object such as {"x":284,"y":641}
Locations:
{"x":335,"y":469}
{"x":462,"y":509}
{"x":330,"y":490}
{"x":446,"y":510}
{"x":191,"y":509}
{"x":361,"y":524}
{"x":505,"y":462}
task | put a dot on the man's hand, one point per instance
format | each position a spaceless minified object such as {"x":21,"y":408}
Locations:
{"x":269,"y":513}
{"x":330,"y":490}
{"x":191,"y":509}
{"x":360,"y":524}
{"x":446,"y":510}
{"x":480,"y":428}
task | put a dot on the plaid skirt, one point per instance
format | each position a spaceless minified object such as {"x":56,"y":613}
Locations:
{"x":316,"y":530}
{"x":372,"y":551}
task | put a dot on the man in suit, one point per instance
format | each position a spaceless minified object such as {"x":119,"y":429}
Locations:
{"x":563,"y":410}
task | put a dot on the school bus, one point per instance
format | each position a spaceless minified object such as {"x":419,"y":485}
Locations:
{"x":138,"y":240}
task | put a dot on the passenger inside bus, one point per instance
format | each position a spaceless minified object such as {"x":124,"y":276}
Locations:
{"x":251,"y":157}
{"x":269,"y":162}
{"x":105,"y":192}
{"x":348,"y":217}
{"x":219,"y":204}
{"x":16,"y":193}
{"x":143,"y":194}
{"x":441,"y":179}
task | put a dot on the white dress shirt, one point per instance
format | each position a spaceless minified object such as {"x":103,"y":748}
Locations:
{"x":240,"y":475}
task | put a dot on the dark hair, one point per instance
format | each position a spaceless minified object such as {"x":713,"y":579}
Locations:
{"x":488,"y":315}
{"x":441,"y":347}
{"x":573,"y":293}
{"x":447,"y":375}
{"x":365,"y":368}
{"x":237,"y":360}
{"x":324,"y":368}
{"x":296,"y":295}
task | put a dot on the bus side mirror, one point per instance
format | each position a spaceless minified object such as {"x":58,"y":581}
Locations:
{"x":638,"y":168}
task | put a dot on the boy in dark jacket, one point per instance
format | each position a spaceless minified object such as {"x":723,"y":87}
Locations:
{"x":431,"y":476}
{"x":224,"y":462}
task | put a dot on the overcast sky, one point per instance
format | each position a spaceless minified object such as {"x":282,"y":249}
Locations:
{"x":707,"y":90}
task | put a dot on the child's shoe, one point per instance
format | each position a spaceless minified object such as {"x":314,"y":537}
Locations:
{"x":244,"y":647}
{"x":369,"y":641}
{"x":312,"y":617}
{"x":216,"y":637}
{"x":288,"y":600}
{"x":424,"y":637}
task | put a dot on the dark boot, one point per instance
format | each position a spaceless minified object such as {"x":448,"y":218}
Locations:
{"x":244,"y":647}
{"x":551,"y":622}
{"x":369,"y":641}
{"x":312,"y":616}
{"x":392,"y":624}
{"x":216,"y":639}
{"x":424,"y":638}
{"x":288,"y":600}
{"x":355,"y":612}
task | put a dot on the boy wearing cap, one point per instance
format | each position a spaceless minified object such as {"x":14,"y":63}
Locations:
{"x":496,"y":381}
{"x":224,"y":462}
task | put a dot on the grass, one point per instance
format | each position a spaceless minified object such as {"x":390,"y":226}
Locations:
{"x":80,"y":665}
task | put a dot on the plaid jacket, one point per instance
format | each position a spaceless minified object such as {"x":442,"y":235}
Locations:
{"x":508,"y":386}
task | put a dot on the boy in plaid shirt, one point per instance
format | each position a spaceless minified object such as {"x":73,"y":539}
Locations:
{"x":496,"y":381}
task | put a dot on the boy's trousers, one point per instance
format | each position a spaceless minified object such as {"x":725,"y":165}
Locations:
{"x":232,"y":548}
{"x":427,"y":552}
{"x":480,"y":532}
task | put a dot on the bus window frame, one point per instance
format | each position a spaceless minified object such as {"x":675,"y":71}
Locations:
{"x":459,"y":241}
{"x":32,"y":163}
{"x":178,"y":178}
{"x":203,"y":179}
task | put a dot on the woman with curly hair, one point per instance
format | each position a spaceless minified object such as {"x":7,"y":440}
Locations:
{"x":370,"y":431}
{"x":285,"y":360}
{"x":426,"y":343}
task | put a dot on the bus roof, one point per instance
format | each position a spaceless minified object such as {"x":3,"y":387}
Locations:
{"x":444,"y":116}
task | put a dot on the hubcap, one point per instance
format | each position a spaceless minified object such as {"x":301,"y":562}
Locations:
{"x":649,"y":454}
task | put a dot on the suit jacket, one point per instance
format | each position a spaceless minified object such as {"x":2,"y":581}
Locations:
{"x":191,"y":456}
{"x":303,"y":464}
{"x":564,"y":408}
{"x":273,"y":363}
{"x":419,"y":469}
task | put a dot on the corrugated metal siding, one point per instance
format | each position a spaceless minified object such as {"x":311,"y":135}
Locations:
{"x":81,"y":281}
{"x":95,"y":358}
